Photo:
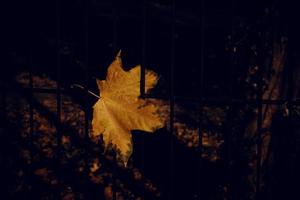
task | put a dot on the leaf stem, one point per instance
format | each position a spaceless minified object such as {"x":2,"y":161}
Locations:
{"x":88,"y":91}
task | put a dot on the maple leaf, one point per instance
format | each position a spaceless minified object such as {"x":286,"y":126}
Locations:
{"x":120,"y":110}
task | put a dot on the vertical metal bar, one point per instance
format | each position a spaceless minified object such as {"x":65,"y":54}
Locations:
{"x":58,"y":86}
{"x":142,"y":81}
{"x":3,"y":102}
{"x":58,"y":67}
{"x":58,"y":71}
{"x":31,"y":119}
{"x":143,"y":66}
{"x":3,"y":111}
{"x":86,"y":86}
{"x":201,"y":93}
{"x":172,"y":97}
{"x":291,"y":117}
{"x":290,"y":77}
{"x":228,"y":138}
{"x":115,"y":29}
{"x":3,"y":117}
{"x":259,"y":134}
{"x":229,"y":160}
{"x":86,"y":72}
{"x":3,"y":94}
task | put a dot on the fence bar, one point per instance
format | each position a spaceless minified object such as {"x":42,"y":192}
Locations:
{"x":114,"y":45}
{"x":229,"y":134}
{"x":291,"y":118}
{"x":142,"y":81}
{"x":31,"y":118}
{"x":201,"y":93}
{"x":86,"y":71}
{"x":86,"y":94}
{"x":172,"y":100}
{"x":259,"y":134}
{"x":143,"y":66}
{"x":3,"y":107}
{"x":206,"y":101}
{"x":58,"y":86}
{"x":115,"y":26}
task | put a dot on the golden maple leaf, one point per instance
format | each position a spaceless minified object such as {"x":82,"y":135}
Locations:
{"x":120,"y":110}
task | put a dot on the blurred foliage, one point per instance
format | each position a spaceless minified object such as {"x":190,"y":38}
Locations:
{"x":76,"y":159}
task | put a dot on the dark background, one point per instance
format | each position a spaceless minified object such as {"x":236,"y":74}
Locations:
{"x":82,"y":37}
